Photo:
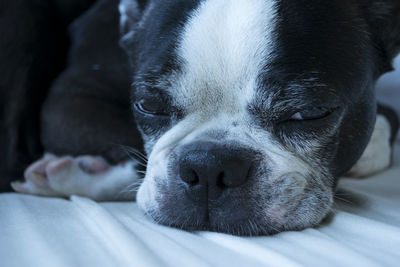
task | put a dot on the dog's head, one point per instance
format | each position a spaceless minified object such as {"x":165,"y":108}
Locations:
{"x":251,"y":109}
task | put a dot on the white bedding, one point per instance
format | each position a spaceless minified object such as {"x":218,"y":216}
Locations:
{"x":363,"y":231}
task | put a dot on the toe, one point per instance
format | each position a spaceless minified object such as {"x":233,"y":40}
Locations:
{"x":57,"y":166}
{"x":38,"y":167}
{"x":37,"y":178}
{"x":92,"y":165}
{"x":19,"y":187}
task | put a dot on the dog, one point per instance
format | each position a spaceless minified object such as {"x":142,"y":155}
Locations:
{"x":248,"y":111}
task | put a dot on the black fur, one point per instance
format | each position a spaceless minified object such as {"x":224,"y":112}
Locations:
{"x":383,"y":23}
{"x":327,"y":54}
{"x":342,"y":40}
{"x":33,"y":46}
{"x":88,"y":109}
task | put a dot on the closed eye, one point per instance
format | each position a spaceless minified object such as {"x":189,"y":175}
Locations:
{"x":310,"y":114}
{"x":147,"y":107}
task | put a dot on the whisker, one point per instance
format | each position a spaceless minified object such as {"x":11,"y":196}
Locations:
{"x":273,"y":228}
{"x":343,"y":199}
{"x":131,"y":188}
{"x":134,"y":155}
{"x":135,"y":152}
{"x":138,"y":162}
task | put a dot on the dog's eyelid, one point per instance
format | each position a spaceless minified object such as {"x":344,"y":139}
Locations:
{"x":304,"y":113}
{"x":311,"y":113}
{"x":155,"y":108}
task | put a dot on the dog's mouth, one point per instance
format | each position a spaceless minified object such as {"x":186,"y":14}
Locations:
{"x":247,"y":220}
{"x":261,"y":206}
{"x":243,"y":221}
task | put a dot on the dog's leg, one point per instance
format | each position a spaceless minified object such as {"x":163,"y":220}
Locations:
{"x":88,"y":112}
{"x":86,"y":176}
{"x":33,"y":49}
{"x":79,"y":125}
{"x":378,"y":154}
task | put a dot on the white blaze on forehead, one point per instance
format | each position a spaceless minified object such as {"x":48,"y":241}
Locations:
{"x":223,"y":48}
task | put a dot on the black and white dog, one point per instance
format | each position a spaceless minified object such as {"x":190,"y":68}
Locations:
{"x":250,"y":110}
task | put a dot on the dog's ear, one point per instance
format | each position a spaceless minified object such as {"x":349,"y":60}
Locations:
{"x":383,"y":22}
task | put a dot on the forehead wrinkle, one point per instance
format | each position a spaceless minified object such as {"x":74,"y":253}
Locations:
{"x":223,"y":47}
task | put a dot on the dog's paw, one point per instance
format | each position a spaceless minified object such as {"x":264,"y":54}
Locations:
{"x":86,"y":176}
{"x":377,"y":155}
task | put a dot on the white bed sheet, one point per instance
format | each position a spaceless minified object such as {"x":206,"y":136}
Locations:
{"x":363,"y":231}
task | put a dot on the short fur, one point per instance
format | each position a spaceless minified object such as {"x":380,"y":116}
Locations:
{"x":231,"y":74}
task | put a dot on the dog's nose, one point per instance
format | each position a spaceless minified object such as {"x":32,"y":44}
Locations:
{"x":210,"y":168}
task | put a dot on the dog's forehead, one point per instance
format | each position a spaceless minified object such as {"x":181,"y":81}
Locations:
{"x":228,"y":50}
{"x":222,"y":50}
{"x":212,"y":50}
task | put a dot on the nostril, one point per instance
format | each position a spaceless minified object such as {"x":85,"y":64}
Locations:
{"x":220,"y":180}
{"x":194,"y":179}
{"x":237,"y":175}
{"x":190,"y":177}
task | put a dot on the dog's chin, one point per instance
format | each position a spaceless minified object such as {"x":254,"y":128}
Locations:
{"x":243,"y":213}
{"x":245,"y":227}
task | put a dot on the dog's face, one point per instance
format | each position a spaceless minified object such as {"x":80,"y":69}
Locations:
{"x":250,"y":109}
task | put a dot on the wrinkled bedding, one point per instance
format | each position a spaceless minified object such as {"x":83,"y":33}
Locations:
{"x":364,"y":230}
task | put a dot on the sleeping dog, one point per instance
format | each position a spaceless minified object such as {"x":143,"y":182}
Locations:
{"x":249,"y":110}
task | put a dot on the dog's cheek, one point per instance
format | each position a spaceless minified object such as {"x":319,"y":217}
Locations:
{"x":314,"y":207}
{"x":148,"y":191}
{"x":143,"y":197}
{"x":300,"y":191}
{"x":149,"y":142}
{"x":156,"y":177}
{"x":152,"y":130}
{"x":298,"y":202}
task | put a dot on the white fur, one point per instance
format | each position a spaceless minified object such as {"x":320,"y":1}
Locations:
{"x":126,"y":6}
{"x":377,"y":155}
{"x":280,"y":162}
{"x":114,"y":184}
{"x":224,"y":46}
{"x":122,"y":10}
